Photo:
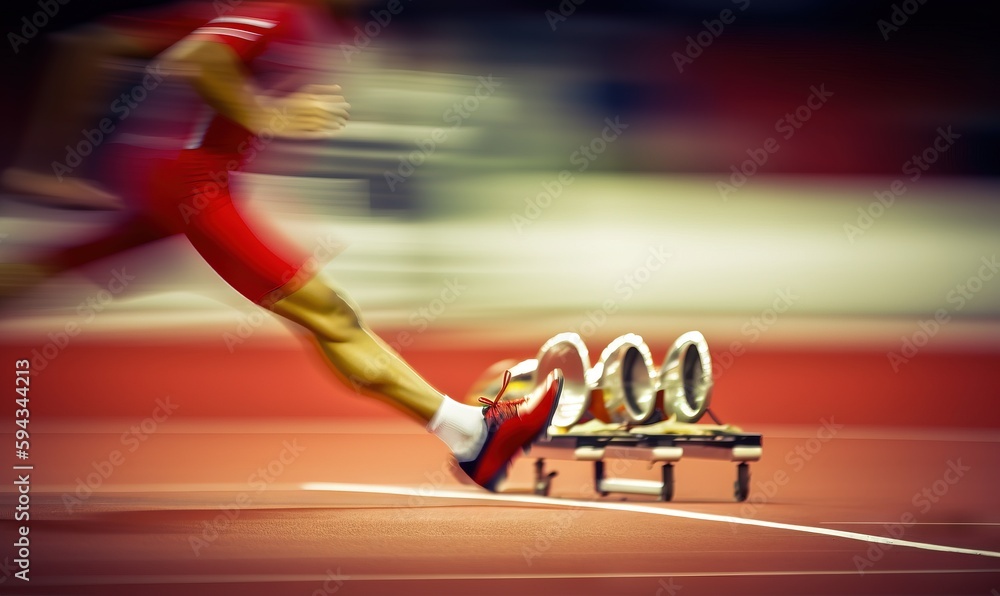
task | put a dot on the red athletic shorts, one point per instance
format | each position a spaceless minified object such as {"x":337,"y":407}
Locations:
{"x":190,"y":193}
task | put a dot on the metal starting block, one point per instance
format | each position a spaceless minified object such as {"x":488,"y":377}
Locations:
{"x":667,"y":450}
{"x":623,"y":408}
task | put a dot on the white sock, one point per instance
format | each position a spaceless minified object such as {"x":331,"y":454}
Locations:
{"x":461,"y":427}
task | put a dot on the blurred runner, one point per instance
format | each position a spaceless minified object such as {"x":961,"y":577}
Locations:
{"x":77,"y":90}
{"x":187,"y":190}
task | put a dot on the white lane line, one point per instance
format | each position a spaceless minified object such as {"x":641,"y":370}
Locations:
{"x":634,"y":508}
{"x":289,"y":578}
{"x":897,"y":523}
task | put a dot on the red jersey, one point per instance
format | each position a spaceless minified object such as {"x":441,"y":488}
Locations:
{"x":249,"y":29}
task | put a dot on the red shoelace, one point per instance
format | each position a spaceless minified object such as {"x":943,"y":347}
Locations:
{"x":497,"y":410}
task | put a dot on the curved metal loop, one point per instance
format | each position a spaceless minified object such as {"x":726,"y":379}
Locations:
{"x":628,"y":381}
{"x":567,"y":352}
{"x":686,"y":378}
{"x":626,"y":377}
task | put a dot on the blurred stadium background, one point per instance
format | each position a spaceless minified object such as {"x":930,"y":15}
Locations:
{"x":518,"y":169}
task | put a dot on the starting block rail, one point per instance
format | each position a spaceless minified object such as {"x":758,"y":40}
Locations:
{"x":667,"y":450}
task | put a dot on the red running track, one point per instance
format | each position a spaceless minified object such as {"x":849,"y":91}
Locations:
{"x":372,"y":509}
{"x":265,"y":480}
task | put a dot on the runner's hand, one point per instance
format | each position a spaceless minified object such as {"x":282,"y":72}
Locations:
{"x":312,"y":112}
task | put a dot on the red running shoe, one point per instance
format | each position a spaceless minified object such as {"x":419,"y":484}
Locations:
{"x":511,"y":426}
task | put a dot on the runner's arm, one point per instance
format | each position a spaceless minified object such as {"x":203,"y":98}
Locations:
{"x":218,"y":75}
